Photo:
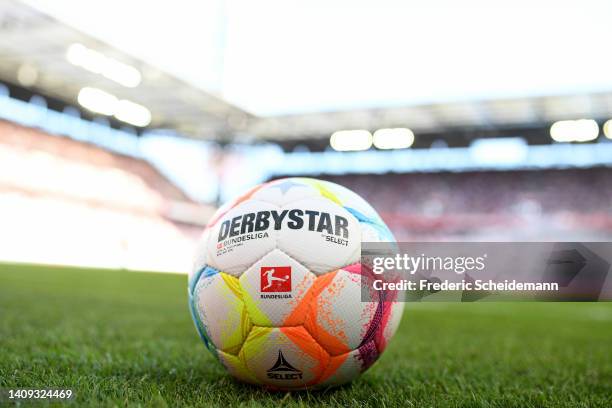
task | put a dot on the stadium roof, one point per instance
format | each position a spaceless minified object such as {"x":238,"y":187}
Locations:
{"x":475,"y":116}
{"x":276,"y":58}
{"x":33,"y":51}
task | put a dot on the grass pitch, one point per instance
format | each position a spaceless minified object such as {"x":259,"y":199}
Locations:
{"x":126,"y":339}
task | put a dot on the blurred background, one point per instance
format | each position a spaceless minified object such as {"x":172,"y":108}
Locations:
{"x":123,"y":125}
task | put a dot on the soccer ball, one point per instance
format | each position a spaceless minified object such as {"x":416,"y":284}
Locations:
{"x":275,"y":291}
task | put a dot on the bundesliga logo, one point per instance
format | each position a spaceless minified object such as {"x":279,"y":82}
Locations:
{"x":275,"y":278}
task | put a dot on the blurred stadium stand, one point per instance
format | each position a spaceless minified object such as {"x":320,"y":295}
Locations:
{"x":544,"y":205}
{"x":67,"y":202}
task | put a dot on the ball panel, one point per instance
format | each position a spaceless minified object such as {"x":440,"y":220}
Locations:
{"x":218,"y":303}
{"x":338,"y":315}
{"x":330,"y":342}
{"x":273,"y":287}
{"x":389,"y":324}
{"x":205,"y":271}
{"x":236,"y":367}
{"x":368,"y":354}
{"x":200,"y":328}
{"x":201,"y":258}
{"x":344,"y":368}
{"x":284,"y":358}
{"x":326,"y":237}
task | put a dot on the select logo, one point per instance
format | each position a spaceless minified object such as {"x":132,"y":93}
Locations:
{"x":282,"y":370}
{"x":275,"y":279}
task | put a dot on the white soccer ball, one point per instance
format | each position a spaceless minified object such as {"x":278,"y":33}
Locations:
{"x":275,"y":291}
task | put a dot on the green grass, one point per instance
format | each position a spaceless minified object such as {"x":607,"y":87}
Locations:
{"x":126,"y":339}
